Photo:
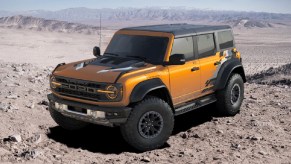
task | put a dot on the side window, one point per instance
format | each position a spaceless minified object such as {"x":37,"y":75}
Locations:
{"x":206,"y":45}
{"x":183,"y":46}
{"x":225,"y":39}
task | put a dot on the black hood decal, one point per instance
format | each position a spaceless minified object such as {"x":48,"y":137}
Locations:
{"x":112,"y":62}
{"x":115,"y":62}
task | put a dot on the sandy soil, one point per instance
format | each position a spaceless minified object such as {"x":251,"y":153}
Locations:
{"x":48,"y":48}
{"x":264,"y":48}
{"x":260,"y":133}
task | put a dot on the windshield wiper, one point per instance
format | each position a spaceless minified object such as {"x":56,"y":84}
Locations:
{"x":112,"y":54}
{"x":138,"y":57}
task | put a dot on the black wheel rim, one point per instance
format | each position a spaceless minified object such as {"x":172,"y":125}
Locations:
{"x":150,"y":124}
{"x":235,"y":93}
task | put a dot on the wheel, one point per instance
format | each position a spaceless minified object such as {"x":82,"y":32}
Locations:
{"x":66,"y":122}
{"x":230,"y":98}
{"x":149,"y":125}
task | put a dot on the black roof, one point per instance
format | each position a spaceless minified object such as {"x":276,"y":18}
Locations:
{"x":179,"y":29}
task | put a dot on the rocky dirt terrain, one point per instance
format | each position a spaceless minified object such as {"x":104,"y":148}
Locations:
{"x":260,"y":133}
{"x":280,"y":76}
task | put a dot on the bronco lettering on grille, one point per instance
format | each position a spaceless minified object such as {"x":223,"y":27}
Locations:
{"x":78,"y":88}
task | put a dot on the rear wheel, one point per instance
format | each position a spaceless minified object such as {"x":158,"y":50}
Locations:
{"x":66,"y":122}
{"x":149,"y":125}
{"x":229,"y":99}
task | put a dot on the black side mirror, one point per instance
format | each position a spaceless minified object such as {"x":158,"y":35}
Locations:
{"x":96,"y":51}
{"x":177,"y":59}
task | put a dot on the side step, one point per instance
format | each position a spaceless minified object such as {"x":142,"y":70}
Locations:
{"x":195,"y":104}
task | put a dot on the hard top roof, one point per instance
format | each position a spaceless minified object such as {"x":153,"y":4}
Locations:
{"x":179,"y":29}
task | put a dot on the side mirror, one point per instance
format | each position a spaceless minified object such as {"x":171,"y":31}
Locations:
{"x":96,"y":51}
{"x":177,"y":59}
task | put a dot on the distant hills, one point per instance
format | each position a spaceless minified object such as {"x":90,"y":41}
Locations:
{"x":133,"y":16}
{"x":248,"y":23}
{"x":41,"y":24}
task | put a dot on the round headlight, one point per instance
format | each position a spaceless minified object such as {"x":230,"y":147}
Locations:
{"x":53,"y":82}
{"x":113,"y":92}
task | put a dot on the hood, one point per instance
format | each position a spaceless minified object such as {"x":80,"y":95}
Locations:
{"x":104,"y":69}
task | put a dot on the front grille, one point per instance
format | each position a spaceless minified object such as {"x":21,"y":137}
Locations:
{"x":79,"y":88}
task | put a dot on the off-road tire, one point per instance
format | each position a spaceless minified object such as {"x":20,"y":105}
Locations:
{"x":225,"y":104}
{"x":66,"y":122}
{"x":132,"y":132}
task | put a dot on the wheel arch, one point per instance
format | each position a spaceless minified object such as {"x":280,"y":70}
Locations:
{"x":153,"y":87}
{"x":226,"y":70}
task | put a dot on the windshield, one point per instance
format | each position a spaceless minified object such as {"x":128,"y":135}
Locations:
{"x":151,"y":49}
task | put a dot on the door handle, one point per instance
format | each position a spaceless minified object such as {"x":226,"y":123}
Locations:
{"x":194,"y":69}
{"x":217,"y":63}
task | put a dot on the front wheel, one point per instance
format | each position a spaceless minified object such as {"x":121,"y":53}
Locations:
{"x":149,"y":125}
{"x":230,"y":98}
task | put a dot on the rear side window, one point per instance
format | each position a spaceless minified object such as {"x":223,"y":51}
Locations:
{"x":206,"y":45}
{"x":183,"y":46}
{"x":225,"y":39}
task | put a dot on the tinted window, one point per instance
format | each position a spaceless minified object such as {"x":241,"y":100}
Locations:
{"x":206,"y":46}
{"x":225,"y":39}
{"x":183,"y":46}
{"x":150,"y":48}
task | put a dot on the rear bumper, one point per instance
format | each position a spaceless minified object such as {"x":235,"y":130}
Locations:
{"x":114,"y":116}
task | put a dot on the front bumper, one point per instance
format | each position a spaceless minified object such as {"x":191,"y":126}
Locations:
{"x":114,"y":116}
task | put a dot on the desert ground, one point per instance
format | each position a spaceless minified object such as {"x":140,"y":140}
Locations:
{"x":260,"y":133}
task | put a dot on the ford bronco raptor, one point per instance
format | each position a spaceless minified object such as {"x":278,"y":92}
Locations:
{"x":146,"y":76}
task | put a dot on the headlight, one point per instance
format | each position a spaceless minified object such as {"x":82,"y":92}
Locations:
{"x":53,"y":82}
{"x":112,"y":92}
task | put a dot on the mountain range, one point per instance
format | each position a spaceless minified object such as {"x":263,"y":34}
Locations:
{"x":41,"y":24}
{"x":160,"y":15}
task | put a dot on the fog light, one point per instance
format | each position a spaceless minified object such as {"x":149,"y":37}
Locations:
{"x":61,"y":106}
{"x":109,"y":114}
{"x":96,"y":114}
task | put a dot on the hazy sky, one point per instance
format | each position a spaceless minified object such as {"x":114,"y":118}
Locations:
{"x":278,"y":6}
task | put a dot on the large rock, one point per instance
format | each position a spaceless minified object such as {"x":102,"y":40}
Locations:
{"x":146,"y":159}
{"x":37,"y":138}
{"x":12,"y":97}
{"x":15,"y":138}
{"x":31,"y":154}
{"x":4,"y":107}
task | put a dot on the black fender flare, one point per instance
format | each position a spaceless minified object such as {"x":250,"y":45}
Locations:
{"x":229,"y":67}
{"x":143,"y":88}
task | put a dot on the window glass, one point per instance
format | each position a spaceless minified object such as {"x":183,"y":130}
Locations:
{"x":206,"y":46}
{"x":150,"y":48}
{"x":183,"y":46}
{"x":225,"y":39}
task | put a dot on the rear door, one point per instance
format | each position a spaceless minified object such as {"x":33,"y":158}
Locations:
{"x":209,"y":59}
{"x":184,"y":79}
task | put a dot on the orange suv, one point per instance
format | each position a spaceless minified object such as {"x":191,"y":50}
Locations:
{"x":146,"y":76}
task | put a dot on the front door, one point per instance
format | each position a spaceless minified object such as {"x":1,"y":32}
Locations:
{"x":184,"y":79}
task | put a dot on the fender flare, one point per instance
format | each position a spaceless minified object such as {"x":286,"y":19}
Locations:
{"x":143,"y":88}
{"x":230,"y":66}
